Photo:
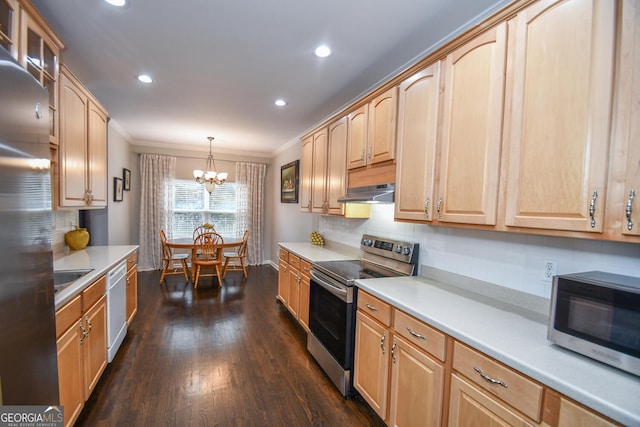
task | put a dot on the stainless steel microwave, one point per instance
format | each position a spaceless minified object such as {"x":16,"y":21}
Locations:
{"x":597,"y":314}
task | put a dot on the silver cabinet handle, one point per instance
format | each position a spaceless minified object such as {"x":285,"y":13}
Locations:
{"x":384,"y":337}
{"x":629,"y":209}
{"x":84,"y":332}
{"x":426,"y":207}
{"x":592,"y":208}
{"x":88,"y":322}
{"x":489,"y":379}
{"x":370,"y":307}
{"x":370,"y":153}
{"x":362,"y":155}
{"x":439,"y":206}
{"x":415,"y":334}
{"x":393,"y":350}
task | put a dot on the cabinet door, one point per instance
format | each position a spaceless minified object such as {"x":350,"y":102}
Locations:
{"x":319,"y":183}
{"x":9,"y":23}
{"x":73,"y":147}
{"x":469,"y":406}
{"x":572,"y":414}
{"x":132,"y":294}
{"x":97,"y":156}
{"x":337,"y":166}
{"x":472,"y":130}
{"x":293,"y":301}
{"x":306,"y":171}
{"x":305,"y":290}
{"x":418,"y":102}
{"x":624,"y":188}
{"x":283,"y":281}
{"x":70,"y":372}
{"x":358,"y":122}
{"x":95,"y":344}
{"x":560,"y":115}
{"x":381,"y":139}
{"x":417,"y":383}
{"x":371,"y":363}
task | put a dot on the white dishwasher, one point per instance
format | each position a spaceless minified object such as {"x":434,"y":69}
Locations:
{"x":116,"y":308}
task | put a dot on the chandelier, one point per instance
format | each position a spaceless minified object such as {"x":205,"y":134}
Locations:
{"x":210,"y":177}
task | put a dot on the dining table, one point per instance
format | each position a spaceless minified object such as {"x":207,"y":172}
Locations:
{"x":188,"y":243}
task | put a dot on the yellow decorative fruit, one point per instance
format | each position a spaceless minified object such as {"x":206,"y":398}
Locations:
{"x":316,"y":239}
{"x":77,"y":239}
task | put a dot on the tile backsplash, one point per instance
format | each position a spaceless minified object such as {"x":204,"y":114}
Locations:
{"x":512,"y":260}
{"x":63,"y":221}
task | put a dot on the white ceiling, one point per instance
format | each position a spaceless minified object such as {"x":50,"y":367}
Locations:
{"x":219,"y":65}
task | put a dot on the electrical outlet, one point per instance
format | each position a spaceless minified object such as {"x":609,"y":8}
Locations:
{"x":549,"y":269}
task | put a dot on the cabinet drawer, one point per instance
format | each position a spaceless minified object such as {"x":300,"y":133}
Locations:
{"x":93,"y":293}
{"x":68,"y":315}
{"x":294,"y":261}
{"x":515,"y":389}
{"x":421,"y":334}
{"x":374,"y":307}
{"x":284,"y":255}
{"x":305,"y":267}
{"x":132,"y":260}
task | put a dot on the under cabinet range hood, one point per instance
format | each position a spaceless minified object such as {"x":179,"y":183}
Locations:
{"x":382,"y":193}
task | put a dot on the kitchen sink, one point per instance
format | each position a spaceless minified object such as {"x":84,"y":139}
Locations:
{"x":63,"y":278}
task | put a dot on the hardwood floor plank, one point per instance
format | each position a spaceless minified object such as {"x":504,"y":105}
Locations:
{"x":217,"y":356}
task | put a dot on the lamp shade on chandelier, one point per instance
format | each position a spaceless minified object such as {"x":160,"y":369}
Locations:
{"x":210,"y":177}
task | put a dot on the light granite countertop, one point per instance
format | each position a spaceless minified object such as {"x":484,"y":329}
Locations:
{"x":99,"y":258}
{"x":330,"y":252}
{"x":516,"y":337}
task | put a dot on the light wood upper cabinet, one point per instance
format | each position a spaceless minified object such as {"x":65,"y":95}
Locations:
{"x":357,"y":137}
{"x":9,"y":22}
{"x":418,"y":103}
{"x":337,"y":166}
{"x":372,"y":131}
{"x":559,"y":126}
{"x":623,"y":192}
{"x":83,"y":146}
{"x":382,"y":127}
{"x":319,"y":171}
{"x":306,"y":171}
{"x":474,"y":76}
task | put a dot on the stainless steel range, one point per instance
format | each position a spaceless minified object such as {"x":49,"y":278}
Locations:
{"x":332,"y":304}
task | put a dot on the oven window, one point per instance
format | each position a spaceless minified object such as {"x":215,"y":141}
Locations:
{"x":331,"y":321}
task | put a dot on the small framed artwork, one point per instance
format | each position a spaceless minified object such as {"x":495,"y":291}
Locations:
{"x":126,"y":176}
{"x":117,"y":189}
{"x":289,"y":182}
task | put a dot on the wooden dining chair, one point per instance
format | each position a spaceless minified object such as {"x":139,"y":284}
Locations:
{"x":170,"y":259}
{"x":238,"y":257}
{"x":208,"y":254}
{"x":202,"y":229}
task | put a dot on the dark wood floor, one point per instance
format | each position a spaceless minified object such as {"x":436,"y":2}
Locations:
{"x":229,"y":356}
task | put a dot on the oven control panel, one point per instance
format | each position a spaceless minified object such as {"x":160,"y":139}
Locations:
{"x":394,"y":249}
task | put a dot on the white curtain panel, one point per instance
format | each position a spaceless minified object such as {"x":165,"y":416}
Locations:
{"x":157,"y":175}
{"x":250,"y":181}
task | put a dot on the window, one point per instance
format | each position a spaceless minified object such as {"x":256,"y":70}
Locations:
{"x":194,"y":206}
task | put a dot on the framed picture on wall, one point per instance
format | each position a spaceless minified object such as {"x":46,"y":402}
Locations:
{"x":289,"y":182}
{"x":126,"y":176}
{"x":118,"y":189}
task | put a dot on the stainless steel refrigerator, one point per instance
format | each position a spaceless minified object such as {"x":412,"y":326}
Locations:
{"x":28,"y":359}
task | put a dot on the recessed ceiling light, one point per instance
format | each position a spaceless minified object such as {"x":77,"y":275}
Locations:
{"x":280,"y":102}
{"x":323,"y":51}
{"x":144,"y":78}
{"x":118,"y":3}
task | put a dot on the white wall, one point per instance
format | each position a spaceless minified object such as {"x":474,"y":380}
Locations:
{"x":288,"y":224}
{"x":506,"y":259}
{"x":119,"y":218}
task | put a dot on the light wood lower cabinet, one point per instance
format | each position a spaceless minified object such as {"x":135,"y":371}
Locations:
{"x":304,"y":293}
{"x":132,"y":287}
{"x":402,"y":382}
{"x":293,"y":302}
{"x":412,"y":374}
{"x":294,"y":286}
{"x":81,"y":329}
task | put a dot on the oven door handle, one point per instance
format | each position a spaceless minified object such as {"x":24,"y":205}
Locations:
{"x":325,"y":282}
